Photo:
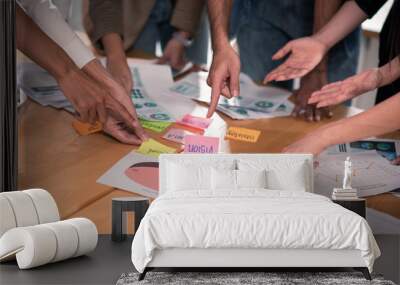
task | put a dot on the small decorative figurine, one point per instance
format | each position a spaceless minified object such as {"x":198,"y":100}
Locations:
{"x":348,"y":171}
{"x":347,"y":192}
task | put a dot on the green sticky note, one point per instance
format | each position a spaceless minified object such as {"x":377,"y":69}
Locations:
{"x":155,"y":126}
{"x":154,"y":148}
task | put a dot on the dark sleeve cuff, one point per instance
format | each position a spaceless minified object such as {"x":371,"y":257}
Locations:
{"x":370,"y":7}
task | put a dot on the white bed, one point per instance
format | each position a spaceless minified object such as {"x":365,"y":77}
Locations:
{"x":194,"y":223}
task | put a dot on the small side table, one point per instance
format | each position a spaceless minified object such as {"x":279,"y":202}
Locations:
{"x":355,"y":205}
{"x":120,"y":206}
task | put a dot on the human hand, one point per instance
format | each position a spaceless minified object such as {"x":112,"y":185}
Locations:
{"x":120,"y":106}
{"x":223,"y":77}
{"x":338,"y":92}
{"x":311,"y":143}
{"x":119,"y":70}
{"x":310,"y":83}
{"x":396,"y":161}
{"x":120,"y":131}
{"x":174,"y":55}
{"x":116,"y":99}
{"x":305,"y":54}
{"x":85,"y":95}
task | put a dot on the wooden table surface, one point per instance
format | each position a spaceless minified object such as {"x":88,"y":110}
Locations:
{"x":54,"y":157}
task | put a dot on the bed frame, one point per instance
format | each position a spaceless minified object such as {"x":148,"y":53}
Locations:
{"x":248,"y":259}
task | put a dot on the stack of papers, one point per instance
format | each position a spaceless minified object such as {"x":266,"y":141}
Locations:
{"x":255,"y":101}
{"x":41,"y":87}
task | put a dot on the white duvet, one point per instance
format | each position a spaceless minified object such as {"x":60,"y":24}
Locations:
{"x":250,"y":219}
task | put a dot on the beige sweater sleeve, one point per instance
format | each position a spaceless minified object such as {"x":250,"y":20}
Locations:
{"x":106,"y":17}
{"x":186,"y":15}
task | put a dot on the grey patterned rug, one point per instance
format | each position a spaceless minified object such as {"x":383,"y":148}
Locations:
{"x":243,"y":278}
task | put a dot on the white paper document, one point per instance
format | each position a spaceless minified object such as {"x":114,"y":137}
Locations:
{"x":372,"y":173}
{"x":255,"y":101}
{"x":136,"y":173}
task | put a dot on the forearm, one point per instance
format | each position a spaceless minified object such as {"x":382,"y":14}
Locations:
{"x":381,"y":119}
{"x":323,"y":13}
{"x":342,"y":23}
{"x":113,"y":46}
{"x":219,"y":12}
{"x":389,"y":72}
{"x":40,"y":48}
{"x":97,"y":72}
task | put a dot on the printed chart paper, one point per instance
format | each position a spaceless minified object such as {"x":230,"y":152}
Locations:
{"x":136,"y":173}
{"x":147,"y":108}
{"x":387,"y":148}
{"x":253,"y":103}
{"x":372,"y":174}
{"x":242,"y":134}
{"x":201,"y":144}
{"x":154,"y":148}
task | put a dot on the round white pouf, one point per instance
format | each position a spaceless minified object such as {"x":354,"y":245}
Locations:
{"x":46,"y":207}
{"x":33,"y":246}
{"x":87,"y":234}
{"x":67,"y":240}
{"x":23,"y":208}
{"x":7,"y":218}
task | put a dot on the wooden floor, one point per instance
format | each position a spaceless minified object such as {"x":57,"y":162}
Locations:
{"x":54,"y":157}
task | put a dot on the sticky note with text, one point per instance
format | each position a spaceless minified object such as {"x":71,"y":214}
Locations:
{"x":242,"y":134}
{"x":201,"y":144}
{"x":154,"y":148}
{"x":176,"y":135}
{"x":155,"y":126}
{"x":195,"y":122}
{"x":85,"y":128}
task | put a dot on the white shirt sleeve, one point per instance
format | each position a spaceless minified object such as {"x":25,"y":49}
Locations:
{"x":46,"y":15}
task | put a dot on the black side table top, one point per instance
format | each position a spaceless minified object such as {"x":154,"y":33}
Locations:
{"x":356,"y":205}
{"x":102,"y":266}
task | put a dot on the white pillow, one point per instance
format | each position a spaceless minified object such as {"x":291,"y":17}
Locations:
{"x":282,"y":174}
{"x":223,"y":179}
{"x":251,"y":178}
{"x":183,"y":177}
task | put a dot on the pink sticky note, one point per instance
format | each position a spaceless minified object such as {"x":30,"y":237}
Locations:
{"x":176,"y":135}
{"x":195,"y":122}
{"x":201,"y":144}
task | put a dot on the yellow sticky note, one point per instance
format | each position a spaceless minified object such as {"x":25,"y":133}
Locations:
{"x":242,"y":134}
{"x":86,"y":128}
{"x":154,"y":148}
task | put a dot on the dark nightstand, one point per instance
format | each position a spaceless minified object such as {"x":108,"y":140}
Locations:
{"x":120,"y":206}
{"x":355,"y":205}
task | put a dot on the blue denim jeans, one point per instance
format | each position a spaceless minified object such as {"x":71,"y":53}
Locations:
{"x":159,"y":29}
{"x":263,"y":27}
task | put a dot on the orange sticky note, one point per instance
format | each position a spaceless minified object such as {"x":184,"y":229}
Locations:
{"x":85,"y":128}
{"x":242,"y":134}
